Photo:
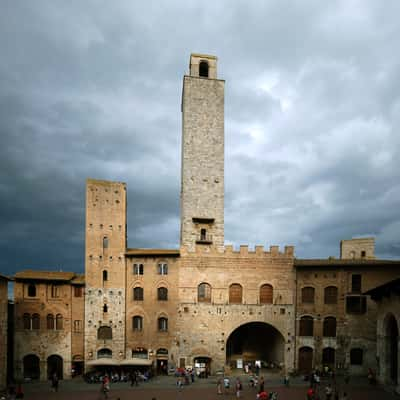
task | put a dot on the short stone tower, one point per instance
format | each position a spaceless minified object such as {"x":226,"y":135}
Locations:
{"x":202,"y":186}
{"x":105,"y":245}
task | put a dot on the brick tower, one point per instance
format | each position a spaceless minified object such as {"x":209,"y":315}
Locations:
{"x":105,"y":245}
{"x":202,"y":174}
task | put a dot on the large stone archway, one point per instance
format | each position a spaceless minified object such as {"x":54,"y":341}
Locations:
{"x":255,"y":341}
{"x":391,"y":349}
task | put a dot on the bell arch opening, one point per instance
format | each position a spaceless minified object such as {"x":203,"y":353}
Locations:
{"x":255,"y":343}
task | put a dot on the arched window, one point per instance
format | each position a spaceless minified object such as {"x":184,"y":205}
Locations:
{"x":35,"y":321}
{"x":105,"y":242}
{"x":328,"y":356}
{"x":104,"y":353}
{"x":308,"y":295}
{"x":235,"y":294}
{"x":104,"y":333}
{"x":329,"y":328}
{"x":26,"y":321}
{"x":306,"y":326}
{"x":105,"y":308}
{"x":59,"y":321}
{"x":31,"y":290}
{"x":137,"y":323}
{"x":163,"y":324}
{"x":138,"y":293}
{"x":266,"y":294}
{"x":50,"y":321}
{"x":162,"y":293}
{"x":105,"y":276}
{"x":356,"y":356}
{"x":331,"y":295}
{"x":203,"y":69}
{"x":140,"y":352}
{"x":204,"y":293}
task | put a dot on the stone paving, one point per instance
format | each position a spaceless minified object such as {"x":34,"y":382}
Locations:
{"x":164,"y":388}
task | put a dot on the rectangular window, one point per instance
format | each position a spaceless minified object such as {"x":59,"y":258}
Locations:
{"x":162,"y":269}
{"x":78,"y":291}
{"x":356,"y":283}
{"x":55,"y":291}
{"x":77,"y":325}
{"x":356,"y":304}
{"x":138,"y":269}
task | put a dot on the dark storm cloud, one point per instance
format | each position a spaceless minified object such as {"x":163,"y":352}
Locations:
{"x":90,"y":89}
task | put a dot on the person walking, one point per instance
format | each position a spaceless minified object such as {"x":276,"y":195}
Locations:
{"x":238,"y":388}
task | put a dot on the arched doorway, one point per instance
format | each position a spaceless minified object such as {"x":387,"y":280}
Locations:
{"x":305,"y":359}
{"x":54,"y":366}
{"x":202,"y":366}
{"x":162,"y":361}
{"x":255,"y":341}
{"x":392,"y":349}
{"x":31,"y":364}
{"x":328,"y":357}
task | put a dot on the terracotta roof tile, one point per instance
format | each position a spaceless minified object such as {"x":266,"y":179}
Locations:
{"x":45,"y":275}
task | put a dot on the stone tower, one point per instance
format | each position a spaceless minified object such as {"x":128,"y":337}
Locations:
{"x":105,"y":245}
{"x":202,"y":181}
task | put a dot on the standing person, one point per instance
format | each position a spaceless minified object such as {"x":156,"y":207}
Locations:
{"x":261,"y":385}
{"x":310,"y":393}
{"x":226,"y":385}
{"x":54,"y":382}
{"x":328,"y":392}
{"x":105,"y":386}
{"x":219,"y":386}
{"x":238,"y":387}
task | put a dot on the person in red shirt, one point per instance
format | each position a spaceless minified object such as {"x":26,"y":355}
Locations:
{"x":310,"y":394}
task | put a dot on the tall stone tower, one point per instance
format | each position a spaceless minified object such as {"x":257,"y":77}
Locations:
{"x":202,"y":185}
{"x":105,"y":246}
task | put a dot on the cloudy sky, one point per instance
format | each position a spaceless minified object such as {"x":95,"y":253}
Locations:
{"x":93,"y":89}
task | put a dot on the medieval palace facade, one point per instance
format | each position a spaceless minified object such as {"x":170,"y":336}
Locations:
{"x":205,"y":304}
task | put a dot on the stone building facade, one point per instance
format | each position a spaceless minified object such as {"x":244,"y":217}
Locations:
{"x":387,"y":297}
{"x":204,"y":305}
{"x":49,"y":324}
{"x":3,"y":329}
{"x":336,"y":321}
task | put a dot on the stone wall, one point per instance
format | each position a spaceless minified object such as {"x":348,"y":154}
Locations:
{"x":203,"y":329}
{"x":202,"y":186}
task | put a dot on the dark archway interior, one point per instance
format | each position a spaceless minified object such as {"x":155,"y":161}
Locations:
{"x":393,"y":338}
{"x":31,"y":367}
{"x":255,"y":341}
{"x":55,"y":366}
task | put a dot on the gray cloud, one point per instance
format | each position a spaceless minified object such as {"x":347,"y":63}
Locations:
{"x":89,"y":89}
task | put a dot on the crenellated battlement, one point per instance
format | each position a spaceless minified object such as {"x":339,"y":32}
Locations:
{"x":243,"y":251}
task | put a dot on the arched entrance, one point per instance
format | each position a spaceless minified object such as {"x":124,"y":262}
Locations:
{"x":54,"y":366}
{"x":328,"y":357}
{"x":202,"y":366}
{"x":305,"y":359}
{"x":162,"y":361}
{"x":392,"y":349}
{"x":31,"y":364}
{"x":255,"y":341}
